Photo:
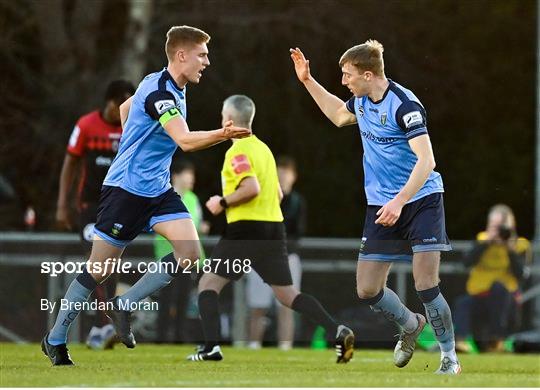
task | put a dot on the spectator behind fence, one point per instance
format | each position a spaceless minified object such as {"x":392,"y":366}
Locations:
{"x":490,"y":309}
{"x":173,"y":301}
{"x":259,"y":294}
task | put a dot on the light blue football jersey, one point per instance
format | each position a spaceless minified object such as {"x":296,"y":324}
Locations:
{"x":386,"y":127}
{"x":142,"y":165}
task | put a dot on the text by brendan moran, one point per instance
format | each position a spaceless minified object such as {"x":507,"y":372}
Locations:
{"x":94,"y":305}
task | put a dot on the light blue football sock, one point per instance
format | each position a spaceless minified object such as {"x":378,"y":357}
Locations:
{"x":439,"y":317}
{"x":393,"y":309}
{"x":79,"y":290}
{"x":149,"y":283}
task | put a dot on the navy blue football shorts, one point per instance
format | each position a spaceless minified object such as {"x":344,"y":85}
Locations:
{"x":121,"y":215}
{"x":420,"y":228}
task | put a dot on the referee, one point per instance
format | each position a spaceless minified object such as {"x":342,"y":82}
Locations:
{"x":255,"y":231}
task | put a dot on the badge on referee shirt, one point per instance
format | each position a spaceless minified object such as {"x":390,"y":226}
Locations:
{"x":240,"y":164}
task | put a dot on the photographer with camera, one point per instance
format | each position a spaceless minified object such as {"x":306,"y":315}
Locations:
{"x":490,"y":309}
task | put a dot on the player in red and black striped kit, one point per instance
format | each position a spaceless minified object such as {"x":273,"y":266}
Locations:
{"x":91,"y":149}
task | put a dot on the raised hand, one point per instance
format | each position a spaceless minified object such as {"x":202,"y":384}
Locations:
{"x":230,"y":131}
{"x":301,"y":65}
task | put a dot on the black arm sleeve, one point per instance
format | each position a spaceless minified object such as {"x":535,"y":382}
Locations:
{"x":158,"y":103}
{"x":475,"y":253}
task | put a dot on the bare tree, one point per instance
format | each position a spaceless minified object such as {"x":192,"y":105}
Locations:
{"x":134,"y":58}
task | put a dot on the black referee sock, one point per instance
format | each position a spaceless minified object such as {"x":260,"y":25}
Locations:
{"x":209,"y":311}
{"x":310,"y":307}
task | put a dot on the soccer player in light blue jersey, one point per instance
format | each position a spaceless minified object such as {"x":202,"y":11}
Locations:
{"x":137,"y":193}
{"x":405,"y":213}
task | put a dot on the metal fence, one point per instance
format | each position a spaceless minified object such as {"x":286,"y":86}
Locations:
{"x":328,"y":266}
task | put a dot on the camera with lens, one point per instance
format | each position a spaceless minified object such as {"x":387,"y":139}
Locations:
{"x":505,"y":232}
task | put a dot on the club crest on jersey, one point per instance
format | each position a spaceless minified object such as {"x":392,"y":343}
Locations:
{"x":361,"y":110}
{"x":115,"y":231}
{"x":383,"y":118}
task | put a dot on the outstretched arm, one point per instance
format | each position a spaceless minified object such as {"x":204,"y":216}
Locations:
{"x":191,"y":141}
{"x":332,"y":106}
{"x":161,"y":106}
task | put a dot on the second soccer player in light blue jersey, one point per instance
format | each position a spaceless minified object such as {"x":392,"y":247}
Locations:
{"x":405,"y":214}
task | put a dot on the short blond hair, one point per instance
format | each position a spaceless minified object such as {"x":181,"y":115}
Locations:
{"x":181,"y":35}
{"x":367,"y":56}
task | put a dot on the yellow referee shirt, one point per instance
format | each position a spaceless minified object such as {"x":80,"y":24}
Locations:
{"x":250,"y":157}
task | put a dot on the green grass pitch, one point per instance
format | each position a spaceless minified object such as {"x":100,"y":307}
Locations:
{"x":164,"y":365}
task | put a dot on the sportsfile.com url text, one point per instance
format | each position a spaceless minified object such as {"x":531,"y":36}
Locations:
{"x":112,"y":265}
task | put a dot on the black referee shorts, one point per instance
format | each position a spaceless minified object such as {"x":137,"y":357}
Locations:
{"x":264,"y":243}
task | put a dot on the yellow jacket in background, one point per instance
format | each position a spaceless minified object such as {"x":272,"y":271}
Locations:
{"x":494,"y":266}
